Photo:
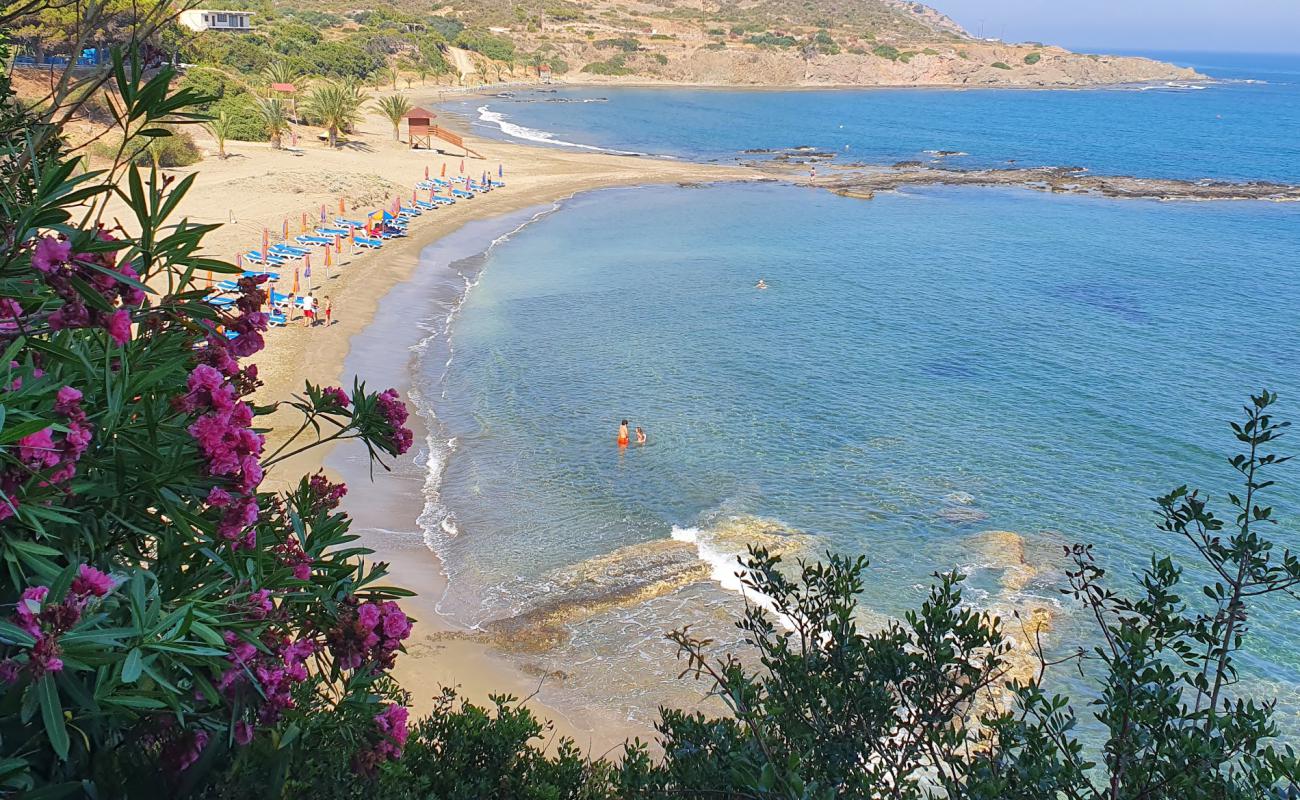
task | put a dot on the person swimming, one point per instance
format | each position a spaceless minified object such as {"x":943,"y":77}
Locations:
{"x":762,"y":284}
{"x":622,"y":434}
{"x":640,"y":435}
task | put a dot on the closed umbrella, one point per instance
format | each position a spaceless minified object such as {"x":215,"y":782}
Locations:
{"x":444,"y":169}
{"x":306,"y":271}
{"x":266,"y":244}
{"x":295,"y":280}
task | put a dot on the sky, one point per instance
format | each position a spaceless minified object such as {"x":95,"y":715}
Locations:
{"x":1263,"y":26}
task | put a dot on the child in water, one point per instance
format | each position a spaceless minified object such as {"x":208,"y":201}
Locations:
{"x":622,"y":434}
{"x":640,"y":435}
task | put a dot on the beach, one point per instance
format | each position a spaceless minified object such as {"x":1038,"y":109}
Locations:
{"x":256,"y":188}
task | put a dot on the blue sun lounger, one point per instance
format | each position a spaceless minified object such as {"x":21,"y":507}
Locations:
{"x":255,"y":256}
{"x":277,"y":320}
{"x":271,"y":276}
{"x":333,"y":231}
{"x":444,"y":201}
{"x":228,"y":286}
{"x":325,"y":241}
{"x":365,"y":241}
{"x":352,"y":223}
{"x":217,"y":301}
{"x":410,"y":211}
{"x":425,"y":185}
{"x":426,"y":205}
{"x":495,"y":184}
{"x":289,"y":251}
{"x":462,"y":193}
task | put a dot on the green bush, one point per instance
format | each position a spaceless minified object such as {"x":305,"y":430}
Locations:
{"x":715,"y":46}
{"x":176,"y":150}
{"x":614,"y":66}
{"x":626,"y":43}
{"x":659,"y":58}
{"x":246,"y":122}
{"x":772,"y":40}
{"x":497,"y":48}
{"x":886,"y":51}
{"x":716,"y":31}
{"x":1033,"y":58}
{"x":1000,"y":65}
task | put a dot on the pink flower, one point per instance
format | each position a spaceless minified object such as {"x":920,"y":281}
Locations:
{"x":50,"y":253}
{"x":29,"y":608}
{"x":394,"y":411}
{"x":10,"y":671}
{"x":118,"y":326}
{"x":90,"y":581}
{"x":67,"y":400}
{"x":36,"y":450}
{"x":243,"y":732}
{"x":336,"y":396}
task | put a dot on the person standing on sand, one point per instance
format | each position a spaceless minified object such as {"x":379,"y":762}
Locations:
{"x":309,"y":309}
{"x":329,"y":312}
{"x":622,"y":434}
{"x":291,"y":304}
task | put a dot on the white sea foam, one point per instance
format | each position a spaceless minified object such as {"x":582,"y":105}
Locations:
{"x":437,"y":522}
{"x":725,"y":570}
{"x":498,"y":119}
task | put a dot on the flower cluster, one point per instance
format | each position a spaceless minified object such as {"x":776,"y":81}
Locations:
{"x":276,"y":667}
{"x":335,"y":398}
{"x":45,"y":450}
{"x":62,"y":270}
{"x":368,"y":633}
{"x":46,"y":622}
{"x":291,"y":554}
{"x":395,"y":414}
{"x":176,"y":747}
{"x":231,"y":448}
{"x":390,"y":737}
{"x":325,"y":495}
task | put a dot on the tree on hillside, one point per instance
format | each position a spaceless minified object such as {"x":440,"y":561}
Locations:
{"x":276,"y":116}
{"x":394,"y":108}
{"x":336,"y":106}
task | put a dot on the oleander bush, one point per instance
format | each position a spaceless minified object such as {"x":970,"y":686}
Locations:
{"x":163,"y":615}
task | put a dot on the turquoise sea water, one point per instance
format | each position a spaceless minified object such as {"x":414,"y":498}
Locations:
{"x":926,"y":367}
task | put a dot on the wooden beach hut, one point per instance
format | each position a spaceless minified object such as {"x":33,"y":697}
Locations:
{"x":419,"y":127}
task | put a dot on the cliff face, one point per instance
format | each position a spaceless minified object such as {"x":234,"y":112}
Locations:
{"x":968,"y":65}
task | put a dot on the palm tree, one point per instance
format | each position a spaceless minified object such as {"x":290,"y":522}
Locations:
{"x":276,"y":117}
{"x":336,"y":106}
{"x":281,"y":72}
{"x":220,"y":127}
{"x":394,"y":107}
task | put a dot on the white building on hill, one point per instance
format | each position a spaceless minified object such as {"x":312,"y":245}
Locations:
{"x":201,"y":19}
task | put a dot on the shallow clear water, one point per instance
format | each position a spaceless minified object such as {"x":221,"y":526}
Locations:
{"x":1228,"y":130}
{"x":926,"y":367}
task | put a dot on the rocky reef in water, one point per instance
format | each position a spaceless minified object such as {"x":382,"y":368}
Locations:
{"x":864,"y":183}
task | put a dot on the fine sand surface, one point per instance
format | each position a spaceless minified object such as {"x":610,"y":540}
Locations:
{"x":256,"y":188}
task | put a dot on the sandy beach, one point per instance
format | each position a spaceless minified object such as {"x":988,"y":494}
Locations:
{"x":256,"y":188}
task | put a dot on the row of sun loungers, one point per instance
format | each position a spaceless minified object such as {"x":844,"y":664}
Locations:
{"x":394,"y":225}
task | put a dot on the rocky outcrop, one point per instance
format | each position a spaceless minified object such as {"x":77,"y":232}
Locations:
{"x":1067,"y":180}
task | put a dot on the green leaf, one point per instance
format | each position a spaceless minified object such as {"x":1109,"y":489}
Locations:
{"x":132,"y":667}
{"x":52,"y":714}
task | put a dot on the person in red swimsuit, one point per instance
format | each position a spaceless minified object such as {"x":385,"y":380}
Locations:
{"x":622,"y":434}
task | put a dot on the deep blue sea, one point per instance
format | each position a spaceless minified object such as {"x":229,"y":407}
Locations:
{"x":927,"y":367}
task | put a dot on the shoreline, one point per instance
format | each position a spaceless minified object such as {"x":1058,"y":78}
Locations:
{"x":403,"y":275}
